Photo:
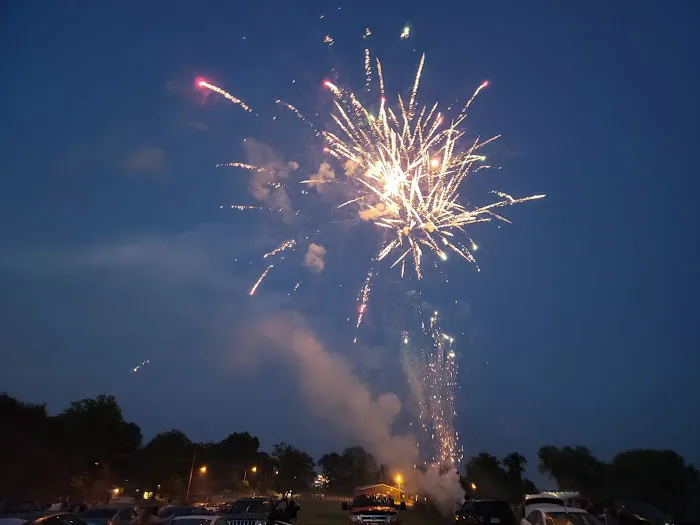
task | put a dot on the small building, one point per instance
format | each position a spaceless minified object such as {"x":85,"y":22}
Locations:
{"x":382,"y":488}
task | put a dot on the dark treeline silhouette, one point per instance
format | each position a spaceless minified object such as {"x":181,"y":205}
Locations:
{"x":659,"y":477}
{"x":88,"y":449}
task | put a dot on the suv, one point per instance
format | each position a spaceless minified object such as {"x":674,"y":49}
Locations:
{"x":486,"y":512}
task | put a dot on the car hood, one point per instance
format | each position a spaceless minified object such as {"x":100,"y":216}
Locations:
{"x":373,"y":510}
{"x":247,"y":516}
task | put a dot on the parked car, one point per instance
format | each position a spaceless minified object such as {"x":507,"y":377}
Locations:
{"x":559,"y":515}
{"x":109,"y":515}
{"x":486,"y":512}
{"x":57,"y":518}
{"x":182,"y":510}
{"x":199,"y":519}
{"x":248,"y":511}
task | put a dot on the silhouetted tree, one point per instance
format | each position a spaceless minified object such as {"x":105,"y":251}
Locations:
{"x":27,"y":451}
{"x":659,"y":477}
{"x":518,"y":485}
{"x":353,"y":468}
{"x":488,"y":477}
{"x":574,"y":468}
{"x":484,"y":472}
{"x":166,"y":461}
{"x":296,"y":468}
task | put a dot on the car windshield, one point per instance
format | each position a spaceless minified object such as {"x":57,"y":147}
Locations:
{"x":544,"y":500}
{"x":250,"y":506}
{"x":495,"y":509}
{"x":565,"y":518}
{"x":373,"y":500}
{"x":104,"y":513}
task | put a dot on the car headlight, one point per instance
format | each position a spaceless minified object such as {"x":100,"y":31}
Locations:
{"x":393,"y":518}
{"x":355,"y":518}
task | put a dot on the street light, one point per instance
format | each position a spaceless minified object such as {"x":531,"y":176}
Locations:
{"x":399,"y":479}
{"x":473,"y":486}
{"x":203,"y":469}
{"x":253,"y":469}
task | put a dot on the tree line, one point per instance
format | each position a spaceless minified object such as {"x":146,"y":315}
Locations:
{"x":88,"y":450}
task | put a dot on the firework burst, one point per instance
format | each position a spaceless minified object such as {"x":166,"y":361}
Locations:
{"x":408,"y":171}
{"x":404,"y":171}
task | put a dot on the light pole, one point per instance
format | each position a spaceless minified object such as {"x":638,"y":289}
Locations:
{"x":202,"y":470}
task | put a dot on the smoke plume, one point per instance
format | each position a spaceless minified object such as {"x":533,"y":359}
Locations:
{"x":319,"y":181}
{"x":368,"y":214}
{"x":336,"y":395}
{"x":315,"y":258}
{"x":266,"y":185}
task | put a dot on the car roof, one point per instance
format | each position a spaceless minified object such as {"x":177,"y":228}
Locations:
{"x":542,"y":495}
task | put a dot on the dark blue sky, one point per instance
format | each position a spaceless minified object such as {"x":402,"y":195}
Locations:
{"x":582,"y":327}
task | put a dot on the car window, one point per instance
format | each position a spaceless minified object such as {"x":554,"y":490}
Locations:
{"x":495,"y":511}
{"x":468,"y":508}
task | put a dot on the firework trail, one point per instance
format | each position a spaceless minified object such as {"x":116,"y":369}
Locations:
{"x":260,"y":279}
{"x":284,"y":246}
{"x":431,"y":369}
{"x":140,"y":366}
{"x":362,"y":300}
{"x":225,"y":94}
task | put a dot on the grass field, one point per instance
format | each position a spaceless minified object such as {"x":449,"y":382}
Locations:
{"x":319,"y":512}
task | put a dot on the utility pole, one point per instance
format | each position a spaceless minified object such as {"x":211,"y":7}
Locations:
{"x":189,"y":483}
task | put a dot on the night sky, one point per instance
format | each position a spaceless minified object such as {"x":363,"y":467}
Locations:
{"x":581,"y":328}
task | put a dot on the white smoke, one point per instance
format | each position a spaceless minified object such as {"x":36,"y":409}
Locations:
{"x":266,"y":185}
{"x":315,"y":258}
{"x":321,"y":179}
{"x":374,"y":212}
{"x":336,"y":395}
